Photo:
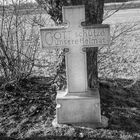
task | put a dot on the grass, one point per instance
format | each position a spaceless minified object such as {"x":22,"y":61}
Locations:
{"x":29,"y":114}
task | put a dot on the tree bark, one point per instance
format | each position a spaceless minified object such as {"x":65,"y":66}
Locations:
{"x":94,"y":15}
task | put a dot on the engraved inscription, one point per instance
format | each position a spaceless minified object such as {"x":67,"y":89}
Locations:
{"x":84,"y":37}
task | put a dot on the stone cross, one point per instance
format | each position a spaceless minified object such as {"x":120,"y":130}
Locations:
{"x":78,"y":105}
{"x":75,"y":37}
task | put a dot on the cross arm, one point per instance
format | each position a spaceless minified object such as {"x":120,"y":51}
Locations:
{"x":53,"y":37}
{"x":96,"y":35}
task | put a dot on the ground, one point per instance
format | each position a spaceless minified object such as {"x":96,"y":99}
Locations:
{"x":28,"y":113}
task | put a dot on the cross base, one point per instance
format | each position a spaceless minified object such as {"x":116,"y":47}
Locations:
{"x":79,"y":109}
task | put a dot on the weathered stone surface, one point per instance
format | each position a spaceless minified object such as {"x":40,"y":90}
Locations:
{"x":102,"y":124}
{"x":81,"y":109}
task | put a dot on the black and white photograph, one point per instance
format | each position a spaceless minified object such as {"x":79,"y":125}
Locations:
{"x":69,"y":69}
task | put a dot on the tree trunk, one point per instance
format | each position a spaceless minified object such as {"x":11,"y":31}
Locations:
{"x":94,"y":15}
{"x":92,"y":69}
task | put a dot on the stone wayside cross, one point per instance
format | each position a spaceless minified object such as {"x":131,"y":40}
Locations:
{"x":78,"y":105}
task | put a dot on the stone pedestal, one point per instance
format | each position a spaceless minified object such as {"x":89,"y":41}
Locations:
{"x":81,"y":109}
